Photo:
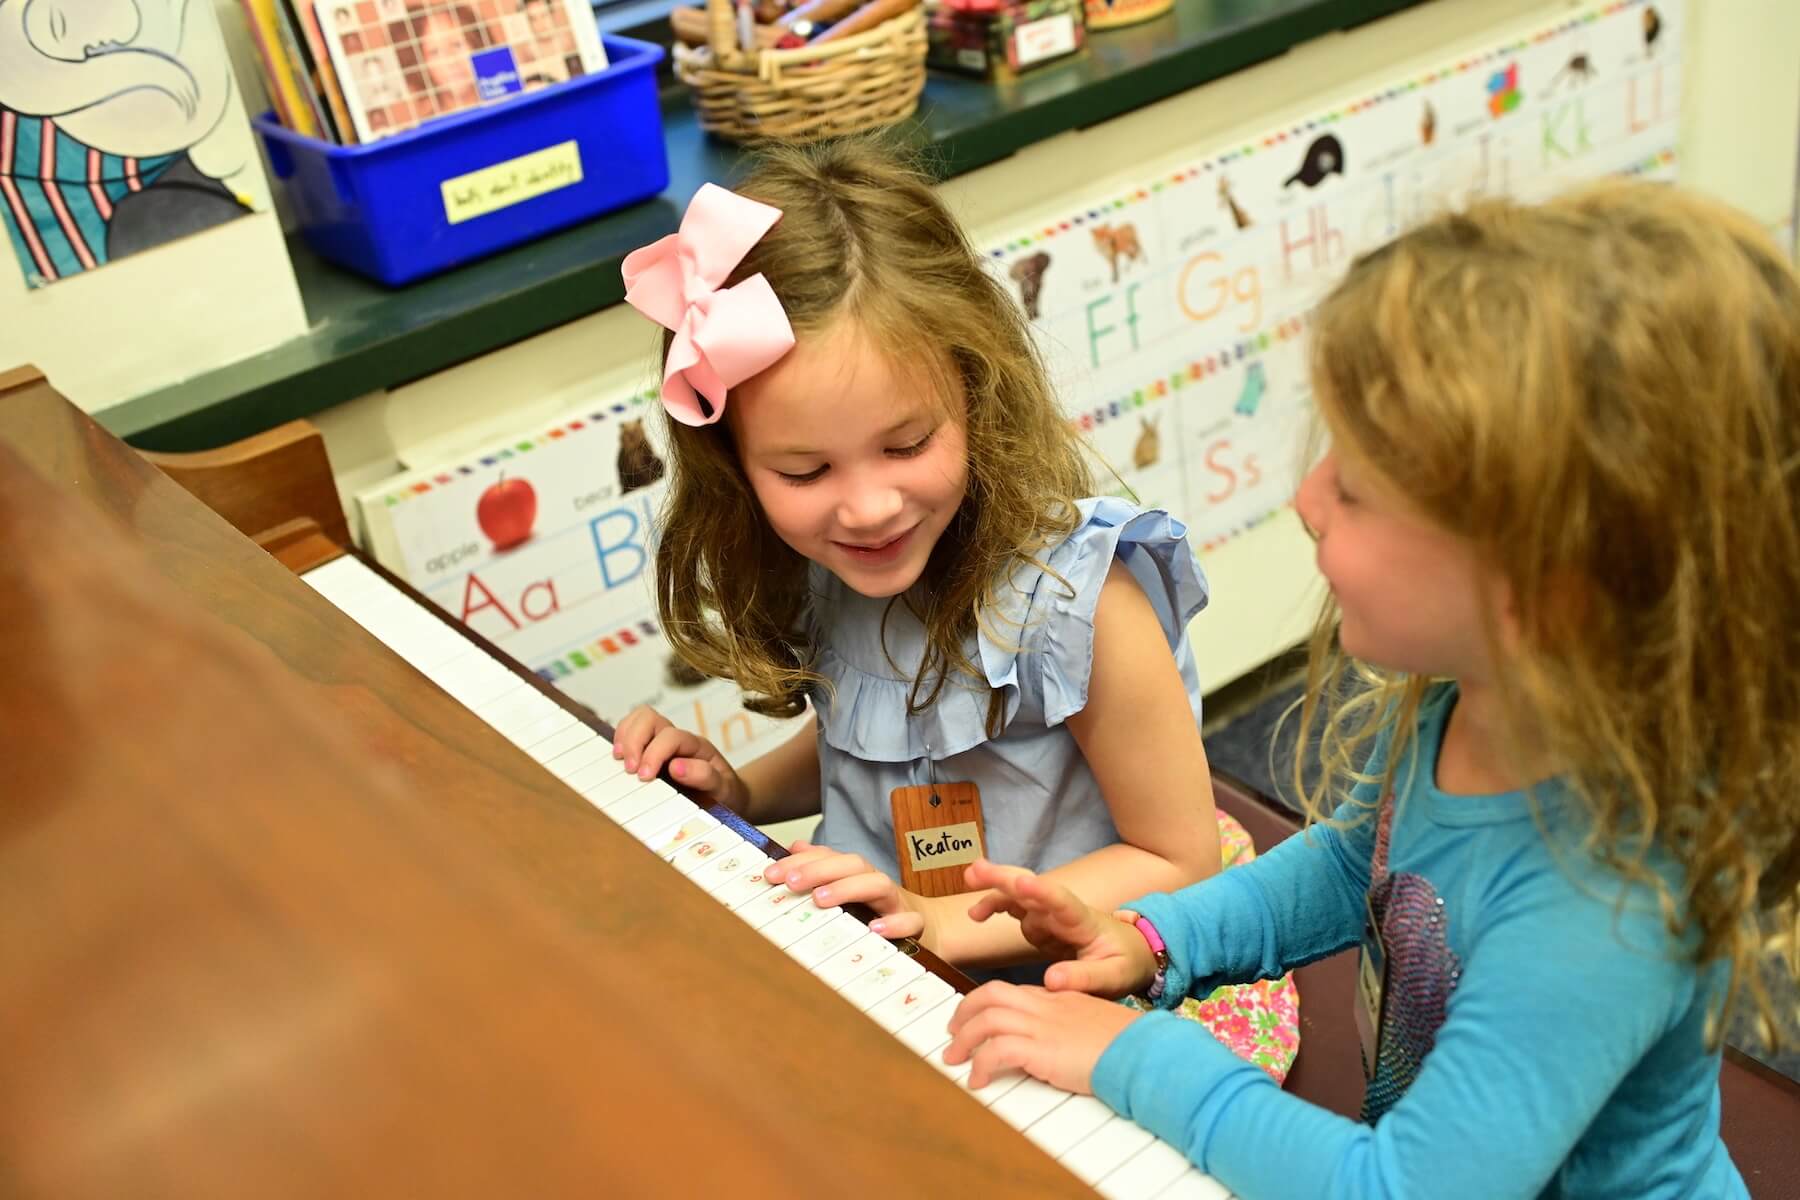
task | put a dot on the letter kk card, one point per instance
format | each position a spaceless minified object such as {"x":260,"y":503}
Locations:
{"x":937,"y":833}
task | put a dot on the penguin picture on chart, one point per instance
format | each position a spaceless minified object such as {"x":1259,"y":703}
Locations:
{"x":1324,"y":157}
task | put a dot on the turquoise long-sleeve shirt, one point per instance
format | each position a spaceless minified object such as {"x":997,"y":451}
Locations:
{"x":1568,"y":1053}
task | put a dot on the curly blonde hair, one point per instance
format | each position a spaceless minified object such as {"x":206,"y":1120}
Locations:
{"x":1601,"y":395}
{"x":864,"y":236}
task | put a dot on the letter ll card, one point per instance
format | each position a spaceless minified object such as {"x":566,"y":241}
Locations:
{"x":937,"y":833}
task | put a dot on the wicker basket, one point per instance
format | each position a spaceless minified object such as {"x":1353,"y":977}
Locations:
{"x":847,"y":85}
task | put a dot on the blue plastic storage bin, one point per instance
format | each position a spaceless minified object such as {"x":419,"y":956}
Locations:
{"x":381,"y":209}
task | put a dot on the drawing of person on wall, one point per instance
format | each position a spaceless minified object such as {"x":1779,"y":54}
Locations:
{"x":118,"y":130}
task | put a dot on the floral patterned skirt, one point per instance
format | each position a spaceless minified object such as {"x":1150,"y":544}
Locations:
{"x":1259,"y":1022}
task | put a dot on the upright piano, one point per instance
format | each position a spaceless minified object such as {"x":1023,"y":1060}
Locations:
{"x":304,"y":891}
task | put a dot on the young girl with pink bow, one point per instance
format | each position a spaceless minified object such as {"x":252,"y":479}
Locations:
{"x":876,"y":506}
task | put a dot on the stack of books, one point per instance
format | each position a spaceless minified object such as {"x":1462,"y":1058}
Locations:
{"x":353,"y":71}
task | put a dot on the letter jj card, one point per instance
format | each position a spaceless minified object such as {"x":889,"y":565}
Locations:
{"x":937,"y":833}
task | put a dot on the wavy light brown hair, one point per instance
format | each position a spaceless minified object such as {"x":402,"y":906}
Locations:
{"x":1601,"y":394}
{"x":863,"y":236}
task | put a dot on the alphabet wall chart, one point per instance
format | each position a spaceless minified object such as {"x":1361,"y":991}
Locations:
{"x":1172,"y":314}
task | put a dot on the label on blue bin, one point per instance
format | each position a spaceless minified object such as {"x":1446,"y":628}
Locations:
{"x":496,"y":74}
{"x":511,"y":182}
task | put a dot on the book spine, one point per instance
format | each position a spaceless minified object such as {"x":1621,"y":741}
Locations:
{"x":291,"y":102}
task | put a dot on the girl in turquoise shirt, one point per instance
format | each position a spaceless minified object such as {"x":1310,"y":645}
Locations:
{"x":1560,"y":521}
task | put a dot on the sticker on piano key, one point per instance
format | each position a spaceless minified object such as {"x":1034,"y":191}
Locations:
{"x":696,"y":855}
{"x":579,"y":756}
{"x":1195,"y":1186}
{"x":826,"y":941}
{"x":932,"y":1030}
{"x":1102,"y":1152}
{"x":1058,"y":1132}
{"x":1028,"y":1103}
{"x":881,"y":981}
{"x":728,"y":866}
{"x":669,"y":812}
{"x":562,"y":741}
{"x":742,"y":886}
{"x":854,"y":959}
{"x":914,"y":1002}
{"x":797,"y":922}
{"x":673,"y":840}
{"x":771,"y":905}
{"x":1145,"y":1173}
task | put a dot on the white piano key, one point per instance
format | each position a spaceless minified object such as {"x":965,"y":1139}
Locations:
{"x":545,"y":726}
{"x":696,"y":855}
{"x":630,"y":805}
{"x":1029,"y":1103}
{"x":959,"y":1074}
{"x":518,"y":710}
{"x":668,"y":814}
{"x":581,"y":755}
{"x":770,"y":905}
{"x":728,"y":866}
{"x":1195,"y":1186}
{"x":912,"y":1004}
{"x":476,"y":681}
{"x":826,"y":940}
{"x":568,"y":738}
{"x":1058,"y":1132}
{"x":603,"y":770}
{"x":1102,"y":1151}
{"x":670,"y":841}
{"x":881,"y":981}
{"x":799,"y":921}
{"x":932,"y":1030}
{"x":345,"y":578}
{"x":996,"y":1087}
{"x":1145,"y":1173}
{"x":743,"y":888}
{"x":854,"y":959}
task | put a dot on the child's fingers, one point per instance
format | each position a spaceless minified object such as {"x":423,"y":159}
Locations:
{"x":801,"y":857}
{"x":1096,"y":976}
{"x":870,"y":887}
{"x":632,"y":734}
{"x":696,"y":773}
{"x":817,"y":868}
{"x":902,"y":924}
{"x":982,"y":874}
{"x":668,"y":743}
{"x":995,"y":902}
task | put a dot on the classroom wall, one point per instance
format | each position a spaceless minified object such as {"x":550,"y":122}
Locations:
{"x":1740,"y":133}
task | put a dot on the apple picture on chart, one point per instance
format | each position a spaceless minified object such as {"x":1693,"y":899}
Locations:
{"x":506,"y":512}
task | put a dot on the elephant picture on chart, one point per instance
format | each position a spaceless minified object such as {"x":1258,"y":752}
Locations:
{"x":120,"y":129}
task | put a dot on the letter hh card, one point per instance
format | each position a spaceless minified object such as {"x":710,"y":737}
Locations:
{"x":937,"y":833}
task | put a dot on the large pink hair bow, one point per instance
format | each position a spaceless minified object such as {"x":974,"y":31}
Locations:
{"x":723,"y":336}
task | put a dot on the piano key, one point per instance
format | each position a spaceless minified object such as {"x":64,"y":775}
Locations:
{"x":578,"y":756}
{"x":1195,"y":1186}
{"x":1029,"y":1103}
{"x":1059,"y":1131}
{"x":604,"y":769}
{"x":881,"y":981}
{"x":744,"y":888}
{"x":342,"y":580}
{"x":476,"y":680}
{"x":628,"y":801}
{"x":673,"y":840}
{"x":1102,"y":1151}
{"x":544,"y":728}
{"x":728,"y":866}
{"x":931,"y":1031}
{"x":911,"y":1005}
{"x":797,"y":922}
{"x":854,"y":959}
{"x":518,"y":711}
{"x":958,"y":1074}
{"x":1145,"y":1173}
{"x":562,"y":741}
{"x":770,"y":905}
{"x":666,"y":815}
{"x":996,"y":1087}
{"x":695,"y":856}
{"x":827,"y":940}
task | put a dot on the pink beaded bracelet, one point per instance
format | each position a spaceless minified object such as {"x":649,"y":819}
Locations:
{"x":1160,"y":950}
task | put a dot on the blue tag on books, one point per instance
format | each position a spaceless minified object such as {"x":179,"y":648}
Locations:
{"x":496,"y":74}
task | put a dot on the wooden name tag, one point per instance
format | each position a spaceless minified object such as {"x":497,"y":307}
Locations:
{"x":937,"y":833}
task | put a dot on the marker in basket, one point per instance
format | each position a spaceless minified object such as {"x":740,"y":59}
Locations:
{"x":746,"y":26}
{"x":865,"y":18}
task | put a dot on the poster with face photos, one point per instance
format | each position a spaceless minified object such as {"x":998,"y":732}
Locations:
{"x":403,"y":62}
{"x":1173,"y":314}
{"x":543,"y":544}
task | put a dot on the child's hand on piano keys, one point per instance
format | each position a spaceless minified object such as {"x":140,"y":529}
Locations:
{"x":1105,"y":956}
{"x":1057,"y":1037}
{"x":646,"y":741}
{"x":837,"y":878}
